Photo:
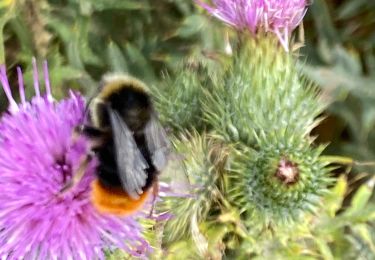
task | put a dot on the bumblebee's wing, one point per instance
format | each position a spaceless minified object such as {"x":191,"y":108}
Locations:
{"x":130,"y":163}
{"x":157,"y":143}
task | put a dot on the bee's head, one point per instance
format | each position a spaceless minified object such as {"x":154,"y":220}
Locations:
{"x":133,"y":105}
{"x":129,"y":97}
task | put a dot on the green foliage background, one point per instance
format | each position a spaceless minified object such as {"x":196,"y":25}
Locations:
{"x":83,"y":39}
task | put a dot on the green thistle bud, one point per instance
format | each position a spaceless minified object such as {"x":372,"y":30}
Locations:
{"x":268,"y":109}
{"x":262,"y":90}
{"x":205,"y":162}
{"x":179,"y":100}
{"x":277,"y":185}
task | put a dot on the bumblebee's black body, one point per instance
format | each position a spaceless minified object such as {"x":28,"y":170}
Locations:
{"x":135,"y":108}
{"x":131,"y":147}
{"x":127,"y":139}
{"x":107,"y":170}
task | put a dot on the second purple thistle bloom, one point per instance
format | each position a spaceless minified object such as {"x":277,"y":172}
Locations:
{"x":37,"y":156}
{"x":280,"y":17}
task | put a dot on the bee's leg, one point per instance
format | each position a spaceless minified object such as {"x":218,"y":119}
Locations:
{"x":69,"y":185}
{"x":89,"y":131}
{"x":96,"y":136}
{"x":155,"y":191}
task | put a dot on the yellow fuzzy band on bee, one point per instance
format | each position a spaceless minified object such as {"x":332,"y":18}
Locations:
{"x":94,"y":111}
{"x":115,"y":82}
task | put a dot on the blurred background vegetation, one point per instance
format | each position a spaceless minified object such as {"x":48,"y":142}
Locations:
{"x":83,"y":39}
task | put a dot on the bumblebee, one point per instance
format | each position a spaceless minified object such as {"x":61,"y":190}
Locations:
{"x":129,"y":142}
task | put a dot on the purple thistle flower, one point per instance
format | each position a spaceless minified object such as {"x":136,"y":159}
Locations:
{"x":37,"y":156}
{"x":278,"y":16}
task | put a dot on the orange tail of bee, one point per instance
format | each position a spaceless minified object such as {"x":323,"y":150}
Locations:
{"x":115,"y":201}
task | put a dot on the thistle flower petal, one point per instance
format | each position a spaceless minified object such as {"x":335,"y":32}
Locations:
{"x":280,"y":17}
{"x":37,"y":156}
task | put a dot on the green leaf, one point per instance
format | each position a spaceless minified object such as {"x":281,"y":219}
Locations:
{"x":351,"y":8}
{"x":140,"y":65}
{"x":361,"y":198}
{"x":365,"y":233}
{"x":323,"y":22}
{"x":23,"y":34}
{"x":190,"y":26}
{"x":333,"y":201}
{"x":184,"y":249}
{"x":117,"y":255}
{"x":74,"y":56}
{"x":81,"y":34}
{"x":215,"y":236}
{"x":101,"y":5}
{"x":116,"y":60}
{"x":324,"y":249}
